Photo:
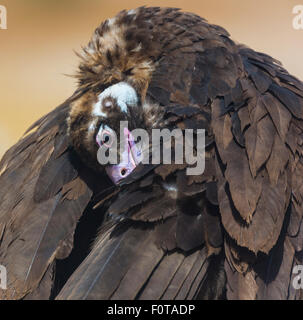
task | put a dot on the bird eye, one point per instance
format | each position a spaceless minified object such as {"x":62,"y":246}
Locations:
{"x":105,"y":139}
{"x":106,"y":136}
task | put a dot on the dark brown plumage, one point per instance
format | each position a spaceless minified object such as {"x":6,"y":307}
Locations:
{"x":234,"y":232}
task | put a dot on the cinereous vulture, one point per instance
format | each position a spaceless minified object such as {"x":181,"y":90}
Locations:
{"x":71,"y":228}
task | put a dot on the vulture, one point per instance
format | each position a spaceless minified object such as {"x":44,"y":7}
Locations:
{"x":73,"y":228}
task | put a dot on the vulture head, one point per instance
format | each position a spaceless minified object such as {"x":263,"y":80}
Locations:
{"x":116,"y":69}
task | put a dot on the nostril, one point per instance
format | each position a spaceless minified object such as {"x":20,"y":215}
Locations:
{"x":123,"y":172}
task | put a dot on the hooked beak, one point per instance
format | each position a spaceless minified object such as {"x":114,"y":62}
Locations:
{"x":130,"y":157}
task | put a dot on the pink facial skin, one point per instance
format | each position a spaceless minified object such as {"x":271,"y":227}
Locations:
{"x":130,"y":159}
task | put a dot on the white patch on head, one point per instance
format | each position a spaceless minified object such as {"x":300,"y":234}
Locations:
{"x":97,"y":110}
{"x":124,"y":94}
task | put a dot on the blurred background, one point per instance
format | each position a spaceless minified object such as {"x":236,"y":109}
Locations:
{"x":37,"y":49}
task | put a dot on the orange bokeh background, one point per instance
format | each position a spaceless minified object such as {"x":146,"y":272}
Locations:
{"x":36,"y":51}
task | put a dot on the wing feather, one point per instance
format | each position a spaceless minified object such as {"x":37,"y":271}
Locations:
{"x":35,"y":216}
